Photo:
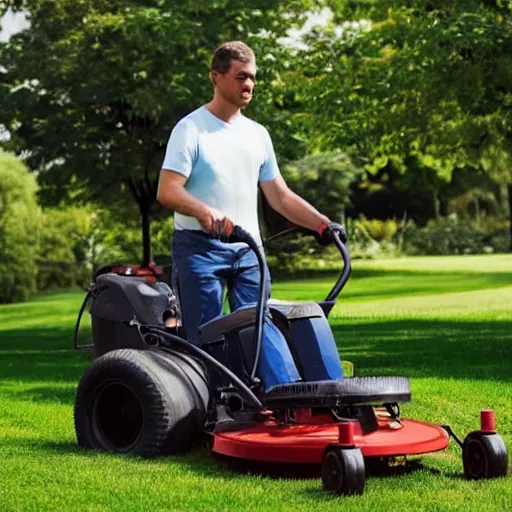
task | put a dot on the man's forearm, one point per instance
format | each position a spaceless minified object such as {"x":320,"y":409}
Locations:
{"x":179,"y":200}
{"x":300,"y":212}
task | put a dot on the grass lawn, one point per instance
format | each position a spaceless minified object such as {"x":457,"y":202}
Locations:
{"x":444,"y":322}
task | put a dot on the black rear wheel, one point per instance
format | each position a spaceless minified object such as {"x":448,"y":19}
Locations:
{"x":118,"y":416}
{"x":141,"y":402}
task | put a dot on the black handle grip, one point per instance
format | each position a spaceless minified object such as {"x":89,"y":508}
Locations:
{"x":241,"y":235}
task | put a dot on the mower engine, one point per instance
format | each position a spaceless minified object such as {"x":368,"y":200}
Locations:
{"x":117,"y":301}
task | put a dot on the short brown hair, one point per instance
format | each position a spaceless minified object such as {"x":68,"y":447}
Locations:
{"x":227,"y":52}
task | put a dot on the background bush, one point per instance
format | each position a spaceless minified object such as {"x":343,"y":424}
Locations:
{"x":63,"y":259}
{"x":77,"y":241}
{"x":19,"y":230}
{"x":374,"y":238}
{"x":451,"y":235}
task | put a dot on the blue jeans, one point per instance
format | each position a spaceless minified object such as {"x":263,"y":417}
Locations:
{"x":204,"y":266}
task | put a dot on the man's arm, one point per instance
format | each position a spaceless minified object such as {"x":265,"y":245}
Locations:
{"x":290,"y":205}
{"x":173,"y":195}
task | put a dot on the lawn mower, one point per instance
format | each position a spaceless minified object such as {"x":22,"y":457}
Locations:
{"x":151,"y":392}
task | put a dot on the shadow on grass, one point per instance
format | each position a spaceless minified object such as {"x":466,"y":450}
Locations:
{"x":277,"y":470}
{"x":203,"y":462}
{"x":41,"y":354}
{"x":415,"y":348}
{"x":428,"y":348}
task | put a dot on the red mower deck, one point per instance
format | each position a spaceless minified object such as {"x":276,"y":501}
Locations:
{"x":305,"y":443}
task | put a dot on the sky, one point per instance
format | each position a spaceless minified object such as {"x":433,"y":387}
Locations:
{"x":11,"y":23}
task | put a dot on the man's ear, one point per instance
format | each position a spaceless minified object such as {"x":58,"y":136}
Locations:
{"x":213,"y":77}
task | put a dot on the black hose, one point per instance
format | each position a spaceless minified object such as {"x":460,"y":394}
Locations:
{"x":240,"y":235}
{"x":201,"y":354}
{"x":77,"y":325}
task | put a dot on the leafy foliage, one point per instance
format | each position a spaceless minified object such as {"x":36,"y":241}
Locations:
{"x":115,"y":241}
{"x":424,"y":79}
{"x":451,"y":235}
{"x":378,"y":229}
{"x":416,"y":87}
{"x":77,"y":241}
{"x":324,"y":179}
{"x":92,"y":89}
{"x":19,"y":230}
{"x":63,"y":259}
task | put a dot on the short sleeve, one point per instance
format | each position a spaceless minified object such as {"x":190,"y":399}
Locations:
{"x":269,"y":169}
{"x":181,"y":151}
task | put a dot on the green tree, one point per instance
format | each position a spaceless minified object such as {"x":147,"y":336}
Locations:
{"x":423,"y":80}
{"x":92,"y":89}
{"x":19,"y":230}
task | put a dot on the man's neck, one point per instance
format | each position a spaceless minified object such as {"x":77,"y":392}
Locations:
{"x":223,"y":110}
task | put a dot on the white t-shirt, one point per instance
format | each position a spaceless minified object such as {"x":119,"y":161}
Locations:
{"x":223,"y":163}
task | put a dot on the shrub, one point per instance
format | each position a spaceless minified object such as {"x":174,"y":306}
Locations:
{"x":115,"y":240}
{"x":373,"y":238}
{"x":450,"y":235}
{"x":324,"y":179}
{"x":19,"y":230}
{"x":63,"y":259}
{"x":76,"y":241}
{"x":379,"y":230}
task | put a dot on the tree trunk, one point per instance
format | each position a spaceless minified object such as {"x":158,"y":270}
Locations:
{"x":436,"y":204}
{"x":509,"y":190}
{"x":144,"y":193}
{"x":477,"y":210}
{"x":146,"y":238}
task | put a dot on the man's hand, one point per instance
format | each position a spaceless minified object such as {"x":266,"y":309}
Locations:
{"x":325,"y":233}
{"x":216,"y":224}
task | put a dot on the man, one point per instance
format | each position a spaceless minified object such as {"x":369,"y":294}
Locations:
{"x":215,"y":159}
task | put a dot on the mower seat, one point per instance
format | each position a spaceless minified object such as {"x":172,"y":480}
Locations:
{"x":346,"y":392}
{"x":230,"y":338}
{"x":297,"y":309}
{"x":309,"y":336}
{"x":216,"y":329}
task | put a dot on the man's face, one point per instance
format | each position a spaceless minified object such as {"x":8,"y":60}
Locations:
{"x":236,"y":85}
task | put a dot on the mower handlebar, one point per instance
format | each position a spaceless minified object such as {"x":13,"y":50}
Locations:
{"x":241,"y":235}
{"x":345,"y":272}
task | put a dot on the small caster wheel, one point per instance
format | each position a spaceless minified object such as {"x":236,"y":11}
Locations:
{"x":343,"y":470}
{"x":484,"y":456}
